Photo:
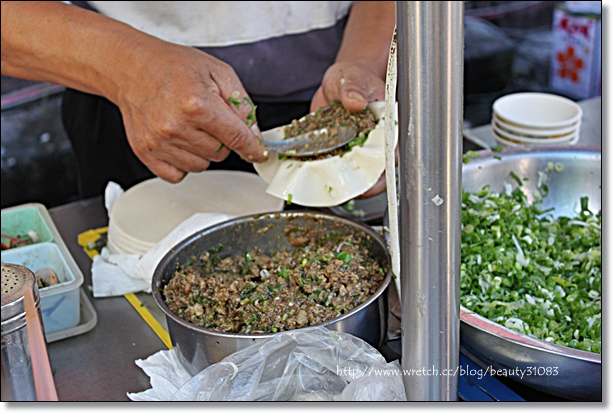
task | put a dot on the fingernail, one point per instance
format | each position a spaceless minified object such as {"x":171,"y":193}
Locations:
{"x":265,"y":154}
{"x":356,"y":96}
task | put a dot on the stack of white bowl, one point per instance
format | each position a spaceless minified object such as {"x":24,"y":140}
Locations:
{"x":534,"y":118}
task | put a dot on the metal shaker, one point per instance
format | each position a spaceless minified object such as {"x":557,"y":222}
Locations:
{"x":17,"y":377}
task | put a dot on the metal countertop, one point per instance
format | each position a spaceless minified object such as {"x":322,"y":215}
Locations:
{"x":99,"y":365}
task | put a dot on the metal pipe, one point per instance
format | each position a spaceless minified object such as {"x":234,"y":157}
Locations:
{"x":430,"y":73}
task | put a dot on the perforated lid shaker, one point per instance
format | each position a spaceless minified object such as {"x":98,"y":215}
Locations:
{"x":14,"y":277}
{"x":16,"y":367}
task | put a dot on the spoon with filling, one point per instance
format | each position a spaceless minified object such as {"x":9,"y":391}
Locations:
{"x":312,"y":143}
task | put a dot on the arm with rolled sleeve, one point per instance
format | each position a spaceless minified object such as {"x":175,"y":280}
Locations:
{"x":173,"y":98}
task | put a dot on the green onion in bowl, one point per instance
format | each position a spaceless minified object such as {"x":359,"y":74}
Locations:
{"x":531,"y":272}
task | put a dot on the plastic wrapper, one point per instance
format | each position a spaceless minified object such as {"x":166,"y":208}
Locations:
{"x":312,"y":364}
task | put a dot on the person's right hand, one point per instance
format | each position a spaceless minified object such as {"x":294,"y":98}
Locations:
{"x":174,"y":99}
{"x":179,"y":115}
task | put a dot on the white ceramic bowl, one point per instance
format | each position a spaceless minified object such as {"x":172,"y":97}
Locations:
{"x":533,"y":132}
{"x":515,"y":142}
{"x":537,"y":110}
{"x":504,"y":142}
{"x":533,"y":140}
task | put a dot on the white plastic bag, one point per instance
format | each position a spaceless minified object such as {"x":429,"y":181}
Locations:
{"x":312,"y":364}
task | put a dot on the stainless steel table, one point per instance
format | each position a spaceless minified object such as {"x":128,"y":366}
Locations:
{"x":99,"y":365}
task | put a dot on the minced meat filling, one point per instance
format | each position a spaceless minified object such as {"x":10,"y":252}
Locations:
{"x":326,"y":276}
{"x":332,"y":117}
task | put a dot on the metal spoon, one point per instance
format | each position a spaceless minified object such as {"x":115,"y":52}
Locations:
{"x":312,"y":142}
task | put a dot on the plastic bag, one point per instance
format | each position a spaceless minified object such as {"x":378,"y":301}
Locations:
{"x":313,"y":364}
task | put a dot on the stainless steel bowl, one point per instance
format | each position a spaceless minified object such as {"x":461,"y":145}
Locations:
{"x":553,"y":369}
{"x":199,"y":347}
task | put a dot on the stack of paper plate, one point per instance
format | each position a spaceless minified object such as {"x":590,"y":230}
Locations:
{"x":147,"y":212}
{"x":534,"y":118}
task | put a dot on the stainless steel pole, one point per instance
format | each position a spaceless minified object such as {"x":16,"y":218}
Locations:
{"x":430,"y":79}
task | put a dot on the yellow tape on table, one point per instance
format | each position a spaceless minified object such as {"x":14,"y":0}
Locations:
{"x":87,"y":240}
{"x":149,"y":318}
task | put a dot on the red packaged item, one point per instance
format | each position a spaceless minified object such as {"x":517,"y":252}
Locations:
{"x":575,"y":68}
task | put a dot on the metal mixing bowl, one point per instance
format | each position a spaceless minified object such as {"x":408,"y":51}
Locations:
{"x":554,"y":369}
{"x":199,"y":347}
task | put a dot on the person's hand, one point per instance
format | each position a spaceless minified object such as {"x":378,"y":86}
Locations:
{"x":174,"y":99}
{"x":352,"y":84}
{"x":355,"y":86}
{"x":186,"y":110}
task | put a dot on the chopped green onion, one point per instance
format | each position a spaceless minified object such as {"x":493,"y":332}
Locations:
{"x":530,"y":271}
{"x":350,"y":206}
{"x":345,"y":256}
{"x":515,"y":177}
{"x":284,"y":272}
{"x":234,"y":101}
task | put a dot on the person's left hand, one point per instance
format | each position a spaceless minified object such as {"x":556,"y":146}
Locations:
{"x":355,"y":86}
{"x":351,"y":83}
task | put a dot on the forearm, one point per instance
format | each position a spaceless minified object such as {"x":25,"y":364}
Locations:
{"x":60,"y":43}
{"x":368,"y":34}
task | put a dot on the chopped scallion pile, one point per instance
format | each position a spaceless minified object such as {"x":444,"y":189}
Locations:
{"x":531,"y":272}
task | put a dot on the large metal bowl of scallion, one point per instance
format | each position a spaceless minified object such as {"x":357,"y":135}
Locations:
{"x":531,"y":267}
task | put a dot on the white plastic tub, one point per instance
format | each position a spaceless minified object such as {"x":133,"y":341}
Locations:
{"x":59,"y":303}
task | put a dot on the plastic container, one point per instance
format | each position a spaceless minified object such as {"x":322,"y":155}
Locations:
{"x":17,"y":221}
{"x":59,"y":303}
{"x":576,"y":55}
{"x":87,"y":322}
